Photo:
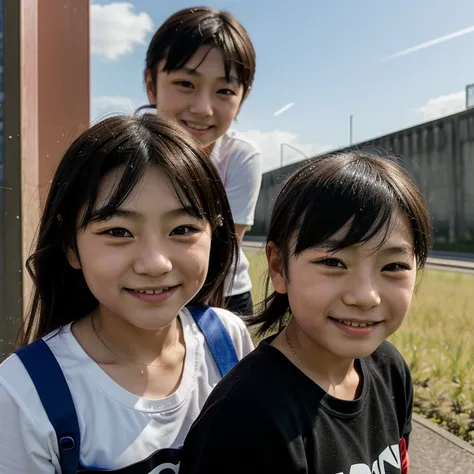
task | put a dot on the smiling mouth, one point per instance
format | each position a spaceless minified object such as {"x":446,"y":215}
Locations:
{"x":198,"y":127}
{"x":355,"y":324}
{"x":153,"y":291}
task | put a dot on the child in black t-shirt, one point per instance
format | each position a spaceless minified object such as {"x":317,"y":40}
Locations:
{"x":326,"y":393}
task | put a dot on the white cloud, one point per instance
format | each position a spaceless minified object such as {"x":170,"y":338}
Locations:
{"x":270,"y":146}
{"x":116,"y":29}
{"x":106,"y":106}
{"x":443,"y":105}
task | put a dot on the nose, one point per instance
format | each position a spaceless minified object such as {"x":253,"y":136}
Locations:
{"x":201,"y":104}
{"x":361,"y":291}
{"x":153,"y":260}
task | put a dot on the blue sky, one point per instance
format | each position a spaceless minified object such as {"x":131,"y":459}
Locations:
{"x":328,"y":58}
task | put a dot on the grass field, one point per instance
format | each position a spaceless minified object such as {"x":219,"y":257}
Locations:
{"x":436,"y":340}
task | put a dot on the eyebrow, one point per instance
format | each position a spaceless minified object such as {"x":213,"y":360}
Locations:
{"x":404,"y":249}
{"x":174,"y":213}
{"x":193,"y":72}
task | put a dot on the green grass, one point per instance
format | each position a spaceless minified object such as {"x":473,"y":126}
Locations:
{"x":436,"y":340}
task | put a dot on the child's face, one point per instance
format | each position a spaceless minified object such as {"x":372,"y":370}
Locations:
{"x":198,"y":96}
{"x":147,"y":261}
{"x":348,"y":302}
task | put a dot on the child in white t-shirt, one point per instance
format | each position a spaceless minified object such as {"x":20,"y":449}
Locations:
{"x":200,"y":66}
{"x":129,"y":271}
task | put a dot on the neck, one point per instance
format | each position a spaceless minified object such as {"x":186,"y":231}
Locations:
{"x":209,"y":149}
{"x":130,"y":343}
{"x":329,"y":371}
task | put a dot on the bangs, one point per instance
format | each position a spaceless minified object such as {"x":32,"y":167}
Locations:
{"x":184,"y":45}
{"x":344,"y":200}
{"x":130,"y":159}
{"x":122,"y":188}
{"x":358,"y":216}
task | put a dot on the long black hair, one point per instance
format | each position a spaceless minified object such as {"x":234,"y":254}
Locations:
{"x":61,"y":294}
{"x":355,"y":188}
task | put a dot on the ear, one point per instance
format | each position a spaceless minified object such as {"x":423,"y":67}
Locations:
{"x":150,"y":87}
{"x":275,"y":267}
{"x":73,"y":259}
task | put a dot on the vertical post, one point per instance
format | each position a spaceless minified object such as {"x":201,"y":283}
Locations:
{"x":351,"y":120}
{"x":10,"y":220}
{"x":469,"y":96}
{"x":281,"y":155}
{"x":46,"y":71}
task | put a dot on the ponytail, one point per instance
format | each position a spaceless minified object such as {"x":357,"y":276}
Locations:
{"x":274,"y":314}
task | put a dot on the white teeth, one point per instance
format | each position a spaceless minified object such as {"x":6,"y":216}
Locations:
{"x":356,"y":325}
{"x":197,"y":127}
{"x":152,"y":292}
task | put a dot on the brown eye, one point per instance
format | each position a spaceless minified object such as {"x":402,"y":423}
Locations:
{"x":226,"y":92}
{"x":118,"y":232}
{"x":185,"y":84}
{"x":184,"y":230}
{"x":396,"y":267}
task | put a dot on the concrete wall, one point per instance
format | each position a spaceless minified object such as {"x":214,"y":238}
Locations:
{"x":440,"y":157}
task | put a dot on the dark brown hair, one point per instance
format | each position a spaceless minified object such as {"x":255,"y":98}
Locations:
{"x":61,"y":294}
{"x":183,"y":33}
{"x":355,"y":188}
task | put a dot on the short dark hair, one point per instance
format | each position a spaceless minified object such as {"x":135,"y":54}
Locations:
{"x":61,"y":294}
{"x":323,"y":196}
{"x":183,"y":33}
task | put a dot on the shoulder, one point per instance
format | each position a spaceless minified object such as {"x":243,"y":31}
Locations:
{"x":236,"y":329}
{"x":230,"y":320}
{"x":19,"y":398}
{"x":14,"y":376}
{"x":246,"y":407}
{"x":388,"y":355}
{"x":235,"y":143}
{"x":253,"y":384}
{"x":27,"y":439}
{"x":388,"y":363}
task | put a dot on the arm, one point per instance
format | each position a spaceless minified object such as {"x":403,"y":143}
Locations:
{"x":238,"y":332}
{"x":240,"y":230}
{"x":243,"y":187}
{"x":232,"y":441}
{"x":24,"y":446}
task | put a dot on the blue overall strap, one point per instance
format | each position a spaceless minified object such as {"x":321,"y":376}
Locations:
{"x":56,"y":398}
{"x":217,"y":337}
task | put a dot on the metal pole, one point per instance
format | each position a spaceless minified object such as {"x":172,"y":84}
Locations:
{"x":293,"y":148}
{"x":351,"y":119}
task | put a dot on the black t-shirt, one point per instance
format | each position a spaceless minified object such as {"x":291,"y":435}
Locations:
{"x":266,"y":416}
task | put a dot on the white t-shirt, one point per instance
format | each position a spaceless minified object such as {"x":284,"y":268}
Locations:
{"x":239,"y":164}
{"x":117,"y":427}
